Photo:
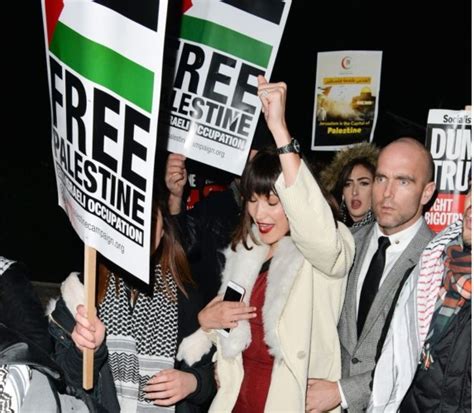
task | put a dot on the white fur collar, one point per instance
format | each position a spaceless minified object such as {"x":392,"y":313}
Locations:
{"x":72,"y":292}
{"x":242,"y":267}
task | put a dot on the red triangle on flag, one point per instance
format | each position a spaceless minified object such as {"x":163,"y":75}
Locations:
{"x":53,"y":9}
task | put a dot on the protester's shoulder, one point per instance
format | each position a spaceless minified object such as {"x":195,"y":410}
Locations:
{"x":216,"y":203}
{"x":360,"y":233}
{"x":452,"y":231}
{"x":14,"y":268}
{"x":215,"y":198}
{"x":425,"y":231}
{"x":17,"y":275}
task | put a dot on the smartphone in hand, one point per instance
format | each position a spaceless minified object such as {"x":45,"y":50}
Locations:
{"x":233,"y":292}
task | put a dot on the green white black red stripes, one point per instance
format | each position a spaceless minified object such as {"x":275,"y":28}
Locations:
{"x":226,"y":40}
{"x":103,"y":66}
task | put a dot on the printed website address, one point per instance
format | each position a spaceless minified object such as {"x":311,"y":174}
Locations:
{"x":104,"y":235}
{"x":200,"y":146}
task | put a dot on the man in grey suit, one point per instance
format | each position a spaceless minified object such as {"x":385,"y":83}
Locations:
{"x":386,"y":252}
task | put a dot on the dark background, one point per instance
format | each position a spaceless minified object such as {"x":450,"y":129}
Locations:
{"x":426,"y":64}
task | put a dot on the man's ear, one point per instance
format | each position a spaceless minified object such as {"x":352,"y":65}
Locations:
{"x":428,"y":192}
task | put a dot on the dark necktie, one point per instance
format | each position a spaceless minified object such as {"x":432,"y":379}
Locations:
{"x":371,"y":283}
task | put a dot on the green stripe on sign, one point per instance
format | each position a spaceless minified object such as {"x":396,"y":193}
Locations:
{"x":226,"y":40}
{"x":104,"y":66}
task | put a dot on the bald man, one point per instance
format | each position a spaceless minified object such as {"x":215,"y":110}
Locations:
{"x":428,"y":346}
{"x":386,"y":253}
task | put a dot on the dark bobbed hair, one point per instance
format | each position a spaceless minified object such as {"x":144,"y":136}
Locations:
{"x":170,"y":255}
{"x":260,"y":174}
{"x":259,"y":177}
{"x":346,"y":171}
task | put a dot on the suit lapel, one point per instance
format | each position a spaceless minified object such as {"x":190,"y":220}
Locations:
{"x":362,"y":238}
{"x":408,"y":258}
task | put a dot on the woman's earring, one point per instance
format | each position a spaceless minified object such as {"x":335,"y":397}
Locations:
{"x":343,"y":210}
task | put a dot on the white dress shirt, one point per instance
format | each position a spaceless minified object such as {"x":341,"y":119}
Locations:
{"x":398,"y":244}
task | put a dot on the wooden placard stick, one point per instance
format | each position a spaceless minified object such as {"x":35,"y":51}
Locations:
{"x":89,"y":287}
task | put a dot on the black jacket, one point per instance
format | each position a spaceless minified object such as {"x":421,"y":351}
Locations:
{"x":18,"y":349}
{"x":24,"y":337}
{"x":20,"y":306}
{"x":205,"y":231}
{"x":70,"y":358}
{"x":446,"y":385}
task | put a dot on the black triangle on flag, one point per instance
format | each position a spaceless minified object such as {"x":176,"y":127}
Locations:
{"x":270,"y":10}
{"x":144,"y":12}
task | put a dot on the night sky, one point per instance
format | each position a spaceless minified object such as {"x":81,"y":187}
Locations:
{"x":426,"y":64}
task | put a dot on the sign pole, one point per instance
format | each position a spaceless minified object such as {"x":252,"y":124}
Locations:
{"x":90,"y":257}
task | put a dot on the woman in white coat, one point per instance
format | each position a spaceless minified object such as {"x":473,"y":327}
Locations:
{"x":292,"y":258}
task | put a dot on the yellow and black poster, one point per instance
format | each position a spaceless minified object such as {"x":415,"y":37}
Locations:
{"x":346,"y":98}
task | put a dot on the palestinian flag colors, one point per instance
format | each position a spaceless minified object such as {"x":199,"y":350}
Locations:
{"x":111,"y":45}
{"x":212,"y":108}
{"x":105,"y":65}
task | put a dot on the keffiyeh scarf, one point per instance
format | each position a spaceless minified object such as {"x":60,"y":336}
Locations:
{"x":455,"y":291}
{"x":368,"y":218}
{"x":141,"y":339}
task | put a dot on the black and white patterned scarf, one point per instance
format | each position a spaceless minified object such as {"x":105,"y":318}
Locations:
{"x":14,"y":379}
{"x":141,"y":340}
{"x":368,"y":218}
{"x":5,"y":264}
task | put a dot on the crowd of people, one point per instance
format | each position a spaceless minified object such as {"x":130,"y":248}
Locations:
{"x":350,"y":301}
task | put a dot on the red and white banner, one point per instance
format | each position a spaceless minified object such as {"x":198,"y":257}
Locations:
{"x":448,"y":138}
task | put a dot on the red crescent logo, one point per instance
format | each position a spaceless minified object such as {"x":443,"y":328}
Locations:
{"x":346,"y":62}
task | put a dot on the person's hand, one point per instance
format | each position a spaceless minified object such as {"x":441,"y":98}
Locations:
{"x":170,"y":386}
{"x":322,"y":395}
{"x":87,"y":333}
{"x":175,"y":179}
{"x":273,"y":97}
{"x":224,"y":314}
